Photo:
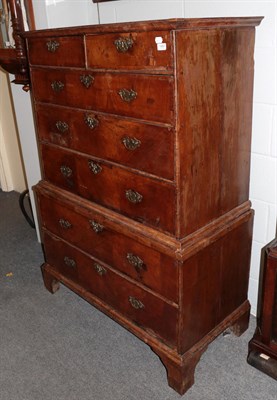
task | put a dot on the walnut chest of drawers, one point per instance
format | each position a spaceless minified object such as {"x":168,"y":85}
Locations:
{"x":144,"y":133}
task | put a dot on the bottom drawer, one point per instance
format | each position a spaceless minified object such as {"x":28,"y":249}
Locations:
{"x":139,"y":305}
{"x":93,"y":233}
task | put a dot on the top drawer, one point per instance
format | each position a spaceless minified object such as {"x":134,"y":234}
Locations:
{"x":61,"y":51}
{"x":136,"y":51}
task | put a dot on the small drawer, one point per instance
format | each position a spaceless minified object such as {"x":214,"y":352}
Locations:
{"x":140,"y":306}
{"x":57,"y":51}
{"x":145,"y":147}
{"x":142,"y":198}
{"x":133,"y":95}
{"x":135,"y":50}
{"x":92,"y":233}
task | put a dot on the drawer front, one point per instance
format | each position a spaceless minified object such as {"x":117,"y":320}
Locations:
{"x":60,"y":168}
{"x":61,"y":51}
{"x":139,"y":197}
{"x":145,"y":147}
{"x":133,"y":95}
{"x":92,"y":234}
{"x":136,"y":50}
{"x":140,"y":306}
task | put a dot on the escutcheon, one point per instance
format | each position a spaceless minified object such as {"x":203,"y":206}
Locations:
{"x":123,"y":44}
{"x":64,"y":223}
{"x":94,"y":167}
{"x":62,"y":126}
{"x":127,"y":95}
{"x":57,"y":86}
{"x":99,"y":269}
{"x":131,"y":143}
{"x":133,"y":196}
{"x":86,"y":80}
{"x":135,"y":261}
{"x":52,"y":46}
{"x":96,"y":227}
{"x":135,"y":303}
{"x":91,"y":121}
{"x":69,"y":262}
{"x":66,"y":171}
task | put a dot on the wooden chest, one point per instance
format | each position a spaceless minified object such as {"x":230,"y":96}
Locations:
{"x":263,"y":346}
{"x":144,"y":133}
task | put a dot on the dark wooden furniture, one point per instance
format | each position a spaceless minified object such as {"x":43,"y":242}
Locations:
{"x":263,"y":346}
{"x":102,"y":1}
{"x":144,"y":132}
{"x":13,"y":59}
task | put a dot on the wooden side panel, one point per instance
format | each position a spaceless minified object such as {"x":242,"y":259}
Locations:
{"x":215,"y":80}
{"x":215,"y":283}
{"x":235,"y":265}
{"x":198,"y":127}
{"x":237,"y":98}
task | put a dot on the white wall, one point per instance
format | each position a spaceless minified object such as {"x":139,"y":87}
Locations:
{"x":61,"y":13}
{"x":11,"y":168}
{"x":25,"y":124}
{"x":140,"y":10}
{"x":58,"y":13}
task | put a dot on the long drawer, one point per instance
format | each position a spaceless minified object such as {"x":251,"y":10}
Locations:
{"x":141,"y":306}
{"x":147,"y":200}
{"x":142,"y":146}
{"x":133,"y":95}
{"x":91,"y":233}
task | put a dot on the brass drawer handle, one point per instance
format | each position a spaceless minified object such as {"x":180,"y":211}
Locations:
{"x":133,"y":196}
{"x":135,"y":261}
{"x":65,"y":224}
{"x":131,"y":143}
{"x":99,"y":269}
{"x":52,"y":46}
{"x":91,"y":121}
{"x":137,"y":304}
{"x":69,"y":262}
{"x":127,"y":95}
{"x":94,"y":167}
{"x":62,"y":126}
{"x":66,"y":171}
{"x":123,"y":44}
{"x":57,"y":86}
{"x":98,"y":228}
{"x":86,"y":80}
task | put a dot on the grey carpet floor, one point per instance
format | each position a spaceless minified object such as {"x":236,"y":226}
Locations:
{"x":59,"y":347}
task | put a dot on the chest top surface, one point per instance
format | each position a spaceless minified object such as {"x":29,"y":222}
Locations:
{"x":164,"y":24}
